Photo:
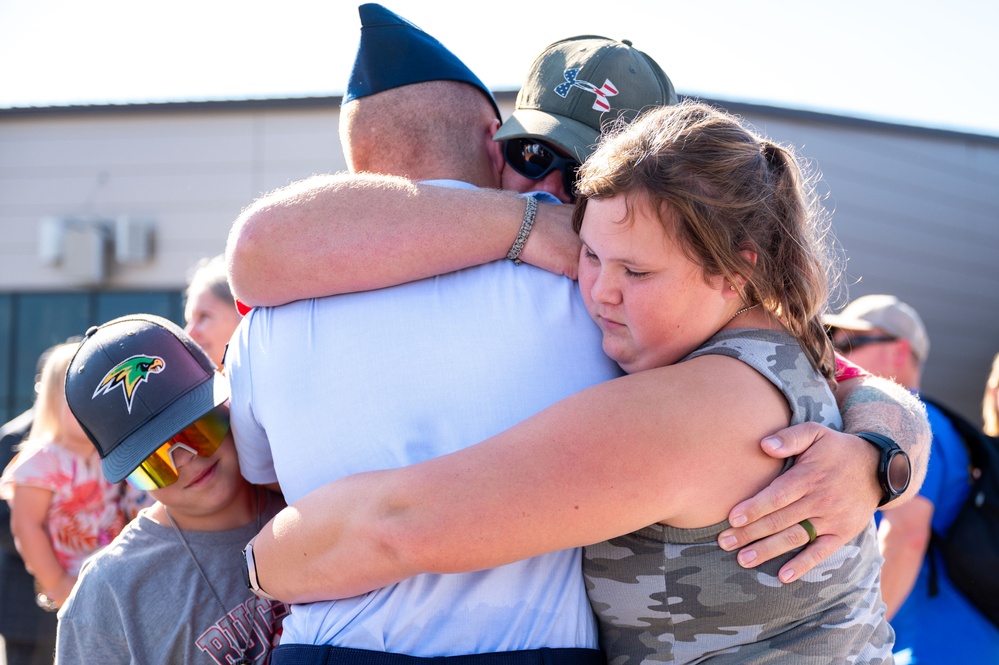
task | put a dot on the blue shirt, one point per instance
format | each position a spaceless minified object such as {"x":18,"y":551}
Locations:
{"x":945,"y":628}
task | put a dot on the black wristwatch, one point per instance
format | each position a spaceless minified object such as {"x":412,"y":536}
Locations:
{"x":894,"y":468}
{"x":250,"y":573}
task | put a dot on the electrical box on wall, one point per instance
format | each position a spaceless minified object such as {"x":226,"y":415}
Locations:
{"x":133,"y":240}
{"x":50,"y":240}
{"x":86,"y":249}
{"x":85,"y":257}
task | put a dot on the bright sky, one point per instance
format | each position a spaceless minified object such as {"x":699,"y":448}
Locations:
{"x":916,"y":62}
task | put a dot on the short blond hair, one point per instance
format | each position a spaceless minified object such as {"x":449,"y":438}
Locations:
{"x":47,"y":413}
{"x":421,"y":131}
{"x":211,"y":274}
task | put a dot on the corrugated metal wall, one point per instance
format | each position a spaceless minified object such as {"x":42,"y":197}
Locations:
{"x":190,"y":171}
{"x":917,"y":213}
{"x":916,"y":210}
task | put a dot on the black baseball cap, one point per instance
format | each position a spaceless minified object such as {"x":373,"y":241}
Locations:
{"x":134,"y":383}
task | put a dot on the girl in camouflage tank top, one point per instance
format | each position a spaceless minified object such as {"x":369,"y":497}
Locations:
{"x":671,"y":595}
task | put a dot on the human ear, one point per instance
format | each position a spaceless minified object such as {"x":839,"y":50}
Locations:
{"x":749,"y":255}
{"x":737,"y":283}
{"x":494,"y":149}
{"x":903,"y":350}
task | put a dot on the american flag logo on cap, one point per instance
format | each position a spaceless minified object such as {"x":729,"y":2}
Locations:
{"x":602,"y":93}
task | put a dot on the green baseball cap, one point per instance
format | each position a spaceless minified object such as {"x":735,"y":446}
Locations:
{"x":577,"y":83}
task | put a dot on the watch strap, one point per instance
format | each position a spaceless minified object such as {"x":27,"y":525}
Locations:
{"x":250,"y":573}
{"x":886,"y":445}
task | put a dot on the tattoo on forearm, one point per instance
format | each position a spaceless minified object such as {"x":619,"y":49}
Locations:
{"x":885,"y":407}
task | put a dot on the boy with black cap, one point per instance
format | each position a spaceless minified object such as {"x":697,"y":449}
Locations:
{"x":167,"y":589}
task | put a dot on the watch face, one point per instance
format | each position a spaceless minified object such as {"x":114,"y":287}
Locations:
{"x":898,"y":471}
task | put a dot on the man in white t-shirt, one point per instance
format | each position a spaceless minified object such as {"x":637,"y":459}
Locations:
{"x":332,"y":386}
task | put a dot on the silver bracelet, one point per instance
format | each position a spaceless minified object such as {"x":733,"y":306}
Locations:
{"x":525,"y":230}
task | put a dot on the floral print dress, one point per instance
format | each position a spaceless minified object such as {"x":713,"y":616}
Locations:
{"x":86,"y":512}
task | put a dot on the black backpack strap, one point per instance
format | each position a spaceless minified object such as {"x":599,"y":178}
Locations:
{"x":969,"y":434}
{"x":965,"y":430}
{"x":933,"y":584}
{"x":970,"y":548}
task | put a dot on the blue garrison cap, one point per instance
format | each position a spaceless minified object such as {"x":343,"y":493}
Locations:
{"x":393,"y":52}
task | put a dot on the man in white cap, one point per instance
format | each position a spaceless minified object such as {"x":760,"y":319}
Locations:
{"x":884,"y":336}
{"x":887,"y":337}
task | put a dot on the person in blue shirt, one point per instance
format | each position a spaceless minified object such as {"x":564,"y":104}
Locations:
{"x":888,"y":338}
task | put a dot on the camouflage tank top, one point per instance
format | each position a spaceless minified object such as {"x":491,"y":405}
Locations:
{"x":669,"y":595}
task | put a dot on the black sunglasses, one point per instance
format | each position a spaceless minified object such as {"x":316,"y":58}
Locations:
{"x":850,"y":344}
{"x":534,"y":160}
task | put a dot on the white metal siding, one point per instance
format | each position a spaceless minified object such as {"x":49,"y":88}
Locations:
{"x":191,"y":173}
{"x":916,"y":211}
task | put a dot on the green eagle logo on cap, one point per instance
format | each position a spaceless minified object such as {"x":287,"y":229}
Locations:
{"x":129,"y":374}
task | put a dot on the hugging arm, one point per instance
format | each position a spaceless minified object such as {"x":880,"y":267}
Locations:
{"x":341,"y":233}
{"x":344,"y":232}
{"x":601,"y":463}
{"x":833,"y":482}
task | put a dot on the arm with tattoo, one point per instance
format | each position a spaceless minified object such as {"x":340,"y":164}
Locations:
{"x":883,"y":406}
{"x":832,"y":483}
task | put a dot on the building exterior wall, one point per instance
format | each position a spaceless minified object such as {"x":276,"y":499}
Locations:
{"x":915,"y":211}
{"x":188,"y":171}
{"x":917,"y":214}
